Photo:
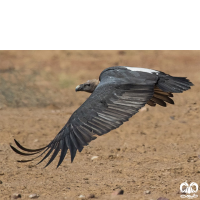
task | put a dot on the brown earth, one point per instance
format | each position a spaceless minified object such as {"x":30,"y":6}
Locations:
{"x":155,"y":151}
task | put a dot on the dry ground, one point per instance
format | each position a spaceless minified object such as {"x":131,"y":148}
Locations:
{"x":156,"y":150}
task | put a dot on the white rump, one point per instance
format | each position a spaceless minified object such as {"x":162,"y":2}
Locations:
{"x":138,"y":69}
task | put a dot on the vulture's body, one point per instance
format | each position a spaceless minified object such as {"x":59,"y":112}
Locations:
{"x":118,"y":95}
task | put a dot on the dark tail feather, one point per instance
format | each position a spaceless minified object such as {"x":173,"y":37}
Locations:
{"x":151,"y":103}
{"x":163,"y":97}
{"x":172,"y":84}
{"x":158,"y":101}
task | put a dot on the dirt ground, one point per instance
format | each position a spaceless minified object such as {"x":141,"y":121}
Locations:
{"x":148,"y":157}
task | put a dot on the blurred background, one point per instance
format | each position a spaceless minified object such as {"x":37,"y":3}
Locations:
{"x":42,"y":78}
{"x":148,"y":157}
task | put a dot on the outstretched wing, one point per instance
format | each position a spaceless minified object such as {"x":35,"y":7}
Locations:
{"x":113,"y":102}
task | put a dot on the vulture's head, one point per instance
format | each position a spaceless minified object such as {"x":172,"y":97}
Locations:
{"x":88,"y":86}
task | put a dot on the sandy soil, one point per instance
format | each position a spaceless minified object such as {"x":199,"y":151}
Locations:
{"x":155,"y":151}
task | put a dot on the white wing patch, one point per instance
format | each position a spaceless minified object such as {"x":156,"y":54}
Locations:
{"x":138,"y":69}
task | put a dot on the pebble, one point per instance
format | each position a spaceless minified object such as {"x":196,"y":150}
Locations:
{"x":172,"y":117}
{"x":144,"y":109}
{"x":16,"y":196}
{"x":1,"y":182}
{"x":91,"y":196}
{"x":117,"y":192}
{"x":147,"y":192}
{"x":162,"y":198}
{"x":81,"y":197}
{"x":33,"y":196}
{"x":94,"y":157}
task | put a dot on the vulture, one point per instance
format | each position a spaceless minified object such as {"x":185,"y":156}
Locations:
{"x":119,"y":94}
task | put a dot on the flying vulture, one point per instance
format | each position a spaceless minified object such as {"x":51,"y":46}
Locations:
{"x":118,"y":95}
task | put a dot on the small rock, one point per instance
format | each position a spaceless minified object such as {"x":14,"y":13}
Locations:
{"x":147,"y":192}
{"x":112,"y":157}
{"x":31,"y":166}
{"x":16,"y":196}
{"x":1,"y":174}
{"x":117,"y":192}
{"x":94,"y":157}
{"x":162,"y":198}
{"x":91,"y":196}
{"x":81,"y":197}
{"x":172,"y":117}
{"x":144,"y":109}
{"x":36,"y":140}
{"x":1,"y":182}
{"x":33,"y":196}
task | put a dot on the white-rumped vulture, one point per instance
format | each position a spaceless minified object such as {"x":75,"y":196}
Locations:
{"x":118,"y":95}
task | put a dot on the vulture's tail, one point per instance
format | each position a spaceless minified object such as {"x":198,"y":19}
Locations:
{"x":172,"y":84}
{"x":167,"y":85}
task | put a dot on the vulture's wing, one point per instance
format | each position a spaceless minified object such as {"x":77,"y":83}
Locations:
{"x":114,"y":101}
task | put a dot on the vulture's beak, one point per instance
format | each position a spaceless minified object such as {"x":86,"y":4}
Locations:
{"x":79,"y":87}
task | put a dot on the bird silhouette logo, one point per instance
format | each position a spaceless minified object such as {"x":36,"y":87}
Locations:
{"x":187,"y":190}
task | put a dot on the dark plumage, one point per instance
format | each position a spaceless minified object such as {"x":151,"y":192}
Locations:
{"x":118,"y":95}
